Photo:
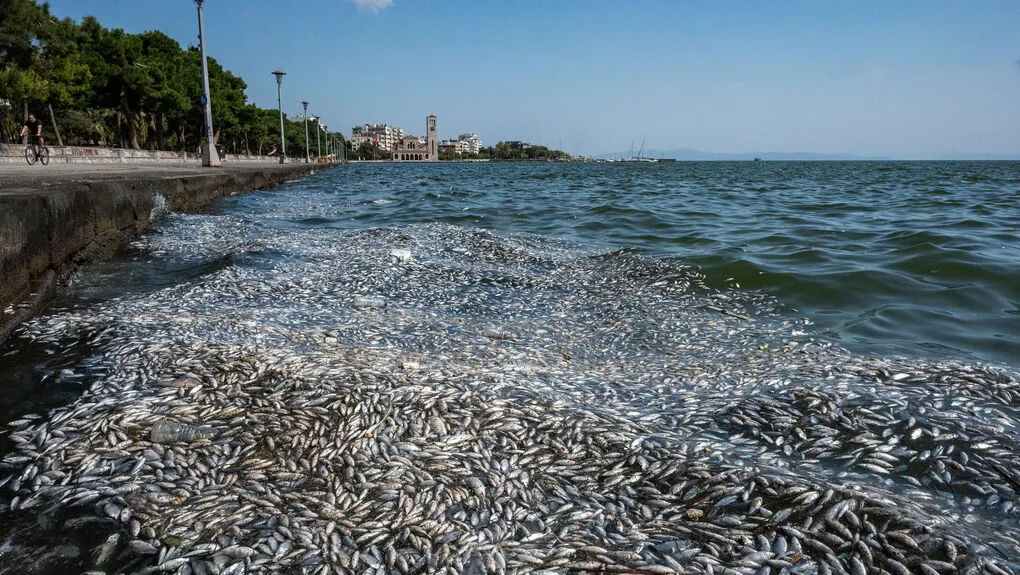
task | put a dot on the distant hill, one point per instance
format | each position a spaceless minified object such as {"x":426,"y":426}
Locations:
{"x":689,"y":154}
{"x":692,"y":155}
{"x":988,"y":157}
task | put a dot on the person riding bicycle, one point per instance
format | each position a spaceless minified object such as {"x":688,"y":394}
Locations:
{"x":33,"y":127}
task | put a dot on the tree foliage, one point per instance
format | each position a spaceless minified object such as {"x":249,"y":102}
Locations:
{"x":368,"y":151}
{"x":111,"y":87}
{"x":516,"y":151}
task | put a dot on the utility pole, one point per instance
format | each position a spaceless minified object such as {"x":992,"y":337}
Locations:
{"x":308,"y":153}
{"x":279,"y":103}
{"x":210,"y":158}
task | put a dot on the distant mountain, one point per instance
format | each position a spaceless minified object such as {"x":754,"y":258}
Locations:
{"x":692,"y":155}
{"x":689,"y":154}
{"x":985,"y":157}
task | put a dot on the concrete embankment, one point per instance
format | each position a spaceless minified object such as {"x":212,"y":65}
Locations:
{"x":52,"y":220}
{"x":15,"y":154}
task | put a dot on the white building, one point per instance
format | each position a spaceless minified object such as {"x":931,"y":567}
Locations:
{"x":383,"y":135}
{"x":472,"y":143}
{"x":358,"y":139}
{"x":457,"y":146}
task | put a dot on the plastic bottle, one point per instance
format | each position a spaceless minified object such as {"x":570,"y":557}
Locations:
{"x":498,"y":333}
{"x":363,"y":301}
{"x":169,"y":431}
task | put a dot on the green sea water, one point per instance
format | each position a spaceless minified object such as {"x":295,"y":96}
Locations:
{"x":890,"y":258}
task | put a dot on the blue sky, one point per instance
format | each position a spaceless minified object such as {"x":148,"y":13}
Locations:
{"x":905,"y":78}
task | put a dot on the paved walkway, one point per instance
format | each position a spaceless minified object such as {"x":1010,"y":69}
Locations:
{"x":18,"y":179}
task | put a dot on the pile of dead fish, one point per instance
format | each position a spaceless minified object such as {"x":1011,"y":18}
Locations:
{"x":515,"y":405}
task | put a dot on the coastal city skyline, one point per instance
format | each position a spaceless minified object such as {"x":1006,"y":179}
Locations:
{"x":899,"y":80}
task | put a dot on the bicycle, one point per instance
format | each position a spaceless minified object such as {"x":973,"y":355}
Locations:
{"x":37,"y":153}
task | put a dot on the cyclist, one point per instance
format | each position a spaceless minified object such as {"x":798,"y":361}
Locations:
{"x":33,"y":127}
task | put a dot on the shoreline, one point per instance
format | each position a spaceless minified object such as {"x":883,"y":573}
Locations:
{"x":52,"y":221}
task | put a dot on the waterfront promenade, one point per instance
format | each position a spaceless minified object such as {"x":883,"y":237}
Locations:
{"x":22,"y":178}
{"x":55,"y":217}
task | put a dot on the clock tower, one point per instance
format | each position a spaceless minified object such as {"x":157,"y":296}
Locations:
{"x":431,"y":138}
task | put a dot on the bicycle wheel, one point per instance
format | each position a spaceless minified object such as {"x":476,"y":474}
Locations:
{"x":29,"y":155}
{"x":44,"y":155}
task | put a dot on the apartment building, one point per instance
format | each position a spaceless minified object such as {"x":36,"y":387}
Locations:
{"x":458,"y":146}
{"x":383,"y":135}
{"x":471,"y":143}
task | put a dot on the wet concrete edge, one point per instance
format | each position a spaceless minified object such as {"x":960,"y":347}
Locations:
{"x":45,"y":235}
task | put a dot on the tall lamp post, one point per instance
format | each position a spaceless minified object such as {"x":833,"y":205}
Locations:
{"x":210,"y":158}
{"x":308,"y":153}
{"x":318,"y":142}
{"x":279,"y":103}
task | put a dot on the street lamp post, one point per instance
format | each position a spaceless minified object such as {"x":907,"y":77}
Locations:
{"x":308,"y":153}
{"x":210,"y":158}
{"x":318,"y":142}
{"x":279,"y":103}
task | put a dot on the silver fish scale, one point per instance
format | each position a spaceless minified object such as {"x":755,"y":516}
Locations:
{"x":635,"y":421}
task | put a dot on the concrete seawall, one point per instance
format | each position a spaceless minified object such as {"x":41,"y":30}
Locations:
{"x":15,"y":154}
{"x":53,"y":221}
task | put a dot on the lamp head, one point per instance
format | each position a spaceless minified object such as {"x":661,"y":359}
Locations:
{"x":279,"y":76}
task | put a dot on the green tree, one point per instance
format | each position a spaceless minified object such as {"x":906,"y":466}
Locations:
{"x":132,"y":89}
{"x":503,"y":151}
{"x":121,"y":80}
{"x":39,"y":61}
{"x":168,"y":103}
{"x":228,"y":99}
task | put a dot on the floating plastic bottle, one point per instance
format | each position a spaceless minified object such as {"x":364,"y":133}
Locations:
{"x":498,"y":333}
{"x":363,"y":301}
{"x":169,"y":431}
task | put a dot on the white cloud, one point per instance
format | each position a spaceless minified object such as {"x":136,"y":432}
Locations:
{"x":373,"y":6}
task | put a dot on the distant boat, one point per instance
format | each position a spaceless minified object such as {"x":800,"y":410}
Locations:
{"x":757,"y":159}
{"x":640,"y":157}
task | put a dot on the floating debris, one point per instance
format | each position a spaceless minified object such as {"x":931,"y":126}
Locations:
{"x":401,"y":255}
{"x":369,"y":302}
{"x":498,"y":333}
